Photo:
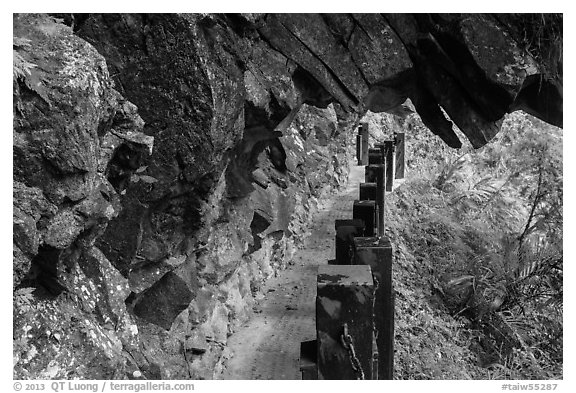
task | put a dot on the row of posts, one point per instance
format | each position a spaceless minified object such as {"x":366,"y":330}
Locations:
{"x":355,"y":298}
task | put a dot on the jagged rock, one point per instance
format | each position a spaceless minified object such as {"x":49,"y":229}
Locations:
{"x":67,"y":338}
{"x":496,"y":54}
{"x":190,"y":105}
{"x":55,"y":340}
{"x":120,"y":243}
{"x":216,"y":327}
{"x":474,"y":124}
{"x":20,"y":265}
{"x":189,"y":229}
{"x":94,"y":280}
{"x":56,"y":149}
{"x":144,"y":276}
{"x":433,"y":117}
{"x":162,"y":302}
{"x":470,"y":65}
{"x":389,"y":94}
{"x":236,"y":296}
{"x":196,"y":343}
{"x":31,"y":201}
{"x":376,"y":49}
{"x":57,"y":119}
{"x":64,"y":106}
{"x":223,"y":253}
{"x":24,"y":229}
{"x":286,"y":43}
{"x":314,"y":34}
{"x":167,"y":350}
{"x":273,"y":205}
{"x":187,"y":109}
{"x":63,"y":229}
{"x":269,"y":75}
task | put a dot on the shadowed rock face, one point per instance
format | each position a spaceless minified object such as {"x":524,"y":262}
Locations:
{"x":165,"y":165}
{"x":68,"y":123}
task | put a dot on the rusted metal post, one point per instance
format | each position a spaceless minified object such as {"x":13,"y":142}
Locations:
{"x":389,"y":149}
{"x":367,"y":191}
{"x":365,"y":139}
{"x":399,"y":139}
{"x":376,"y":252}
{"x":380,"y":198}
{"x":374,"y":156}
{"x":345,"y":322}
{"x":346,"y":231}
{"x":365,"y":211}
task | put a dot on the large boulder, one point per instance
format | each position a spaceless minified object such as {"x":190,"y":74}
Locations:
{"x":69,"y":123}
{"x":474,"y":69}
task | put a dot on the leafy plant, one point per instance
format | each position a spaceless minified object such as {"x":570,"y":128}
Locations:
{"x":26,"y":71}
{"x":23,"y":298}
{"x":487,"y":224}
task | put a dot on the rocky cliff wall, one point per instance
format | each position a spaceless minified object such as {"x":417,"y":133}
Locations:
{"x":166,"y":165}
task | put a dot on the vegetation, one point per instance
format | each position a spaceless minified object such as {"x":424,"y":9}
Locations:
{"x":483,"y":229}
{"x":26,"y":72}
{"x":541,"y":36}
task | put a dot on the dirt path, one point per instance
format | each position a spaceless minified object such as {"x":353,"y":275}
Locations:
{"x":268,"y":346}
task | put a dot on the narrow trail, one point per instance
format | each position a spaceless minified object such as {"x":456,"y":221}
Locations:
{"x":268,"y":346}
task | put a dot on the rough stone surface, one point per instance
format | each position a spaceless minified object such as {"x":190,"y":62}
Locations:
{"x":376,"y":49}
{"x":165,"y":165}
{"x":69,"y":314}
{"x":469,"y":65}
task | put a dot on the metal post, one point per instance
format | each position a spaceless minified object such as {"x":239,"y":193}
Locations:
{"x":376,"y":252}
{"x":389,"y":148}
{"x":380,"y":197}
{"x":365,"y":211}
{"x":347,"y":222}
{"x":365,"y":140}
{"x":367,"y":191}
{"x":359,"y":148}
{"x":346,"y":231}
{"x":374,"y":157}
{"x":308,"y":361}
{"x":382,"y":148}
{"x":399,"y":140}
{"x":345,"y":322}
{"x":370,"y":173}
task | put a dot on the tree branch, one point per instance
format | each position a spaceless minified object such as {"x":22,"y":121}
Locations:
{"x":537,"y":198}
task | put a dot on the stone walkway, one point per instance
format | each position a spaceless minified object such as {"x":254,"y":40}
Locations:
{"x":268,"y":346}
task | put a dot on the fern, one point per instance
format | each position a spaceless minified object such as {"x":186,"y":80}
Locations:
{"x":21,"y":42}
{"x":448,"y":174}
{"x":20,"y":66}
{"x":21,"y":69}
{"x":27,"y":72}
{"x":24,"y":298}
